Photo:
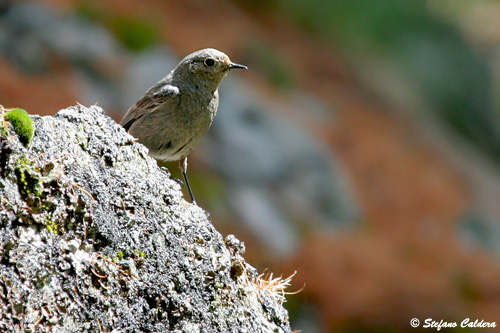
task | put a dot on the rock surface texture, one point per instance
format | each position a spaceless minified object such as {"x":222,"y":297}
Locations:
{"x":95,"y":237}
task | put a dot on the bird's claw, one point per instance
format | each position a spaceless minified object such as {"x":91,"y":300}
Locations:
{"x":178,"y":181}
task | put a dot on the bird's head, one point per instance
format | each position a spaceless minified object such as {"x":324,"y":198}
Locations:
{"x":208,"y":65}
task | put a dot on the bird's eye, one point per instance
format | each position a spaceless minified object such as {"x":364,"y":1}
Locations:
{"x":209,"y":62}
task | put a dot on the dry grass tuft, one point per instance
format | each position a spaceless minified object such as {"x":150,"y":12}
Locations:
{"x":276,"y":287}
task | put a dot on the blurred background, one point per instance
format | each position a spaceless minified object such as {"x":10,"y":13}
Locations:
{"x":361,"y":148}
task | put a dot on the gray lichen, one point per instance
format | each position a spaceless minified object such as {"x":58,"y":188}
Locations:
{"x":95,"y":237}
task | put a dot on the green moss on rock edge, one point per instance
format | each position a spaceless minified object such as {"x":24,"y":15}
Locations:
{"x":22,"y":123}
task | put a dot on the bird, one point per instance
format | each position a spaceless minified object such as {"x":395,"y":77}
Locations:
{"x":175,"y":113}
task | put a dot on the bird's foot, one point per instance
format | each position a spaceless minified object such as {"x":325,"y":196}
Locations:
{"x":165,"y":169}
{"x":178,"y":181}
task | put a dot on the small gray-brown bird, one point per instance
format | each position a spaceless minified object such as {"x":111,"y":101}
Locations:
{"x":173,"y":115}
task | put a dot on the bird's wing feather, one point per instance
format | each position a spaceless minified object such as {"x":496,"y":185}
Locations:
{"x":152,"y":99}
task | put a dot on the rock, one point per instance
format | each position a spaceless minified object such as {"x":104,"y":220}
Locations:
{"x":36,"y":32}
{"x":94,"y":236}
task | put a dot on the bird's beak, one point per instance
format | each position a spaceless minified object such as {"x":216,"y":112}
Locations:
{"x":233,"y":65}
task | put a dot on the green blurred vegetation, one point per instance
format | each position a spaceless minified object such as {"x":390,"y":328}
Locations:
{"x":134,"y":33}
{"x":264,"y":56}
{"x":452,"y":77}
{"x":205,"y":184}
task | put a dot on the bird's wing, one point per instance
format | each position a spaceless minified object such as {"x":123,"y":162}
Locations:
{"x":152,"y":99}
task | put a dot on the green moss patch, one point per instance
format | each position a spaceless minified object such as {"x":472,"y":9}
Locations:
{"x":22,"y":123}
{"x":28,"y":180}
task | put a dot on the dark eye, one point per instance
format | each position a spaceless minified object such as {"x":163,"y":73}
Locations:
{"x":209,"y":62}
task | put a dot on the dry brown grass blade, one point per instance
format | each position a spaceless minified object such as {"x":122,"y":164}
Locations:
{"x":276,"y":286}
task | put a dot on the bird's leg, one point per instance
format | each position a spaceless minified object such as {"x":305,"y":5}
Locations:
{"x":183,"y":164}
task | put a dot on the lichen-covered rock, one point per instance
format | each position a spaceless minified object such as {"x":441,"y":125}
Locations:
{"x":94,"y":237}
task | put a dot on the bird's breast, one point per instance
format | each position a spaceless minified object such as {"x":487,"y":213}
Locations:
{"x":199,"y":109}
